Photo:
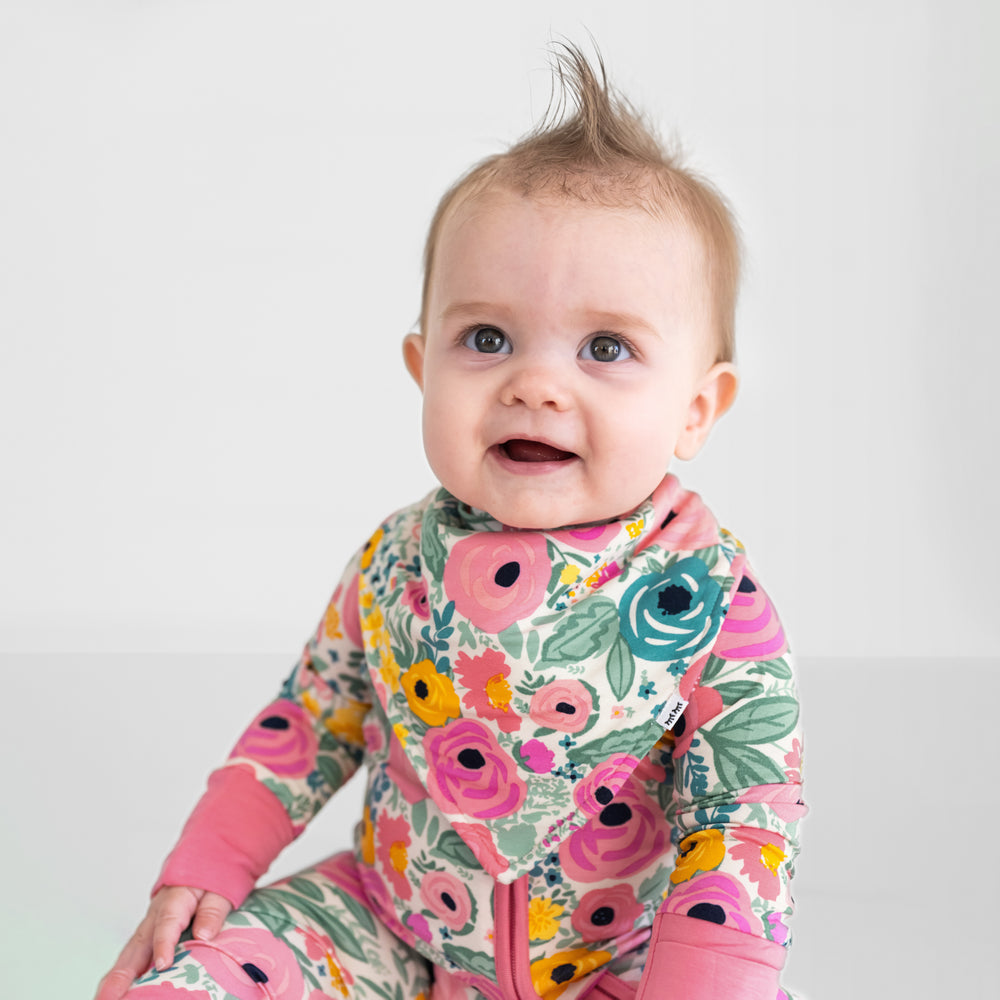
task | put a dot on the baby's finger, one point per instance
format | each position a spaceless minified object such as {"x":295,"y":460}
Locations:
{"x":130,"y":964}
{"x":212,"y":912}
{"x":173,"y":918}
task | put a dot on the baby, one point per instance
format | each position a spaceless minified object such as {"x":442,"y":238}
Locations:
{"x":571,"y":694}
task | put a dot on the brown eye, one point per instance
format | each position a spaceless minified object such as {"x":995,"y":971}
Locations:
{"x":487,"y":340}
{"x":605,"y":348}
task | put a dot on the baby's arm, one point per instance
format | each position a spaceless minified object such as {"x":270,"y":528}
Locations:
{"x":736,"y":804}
{"x":285,"y":766}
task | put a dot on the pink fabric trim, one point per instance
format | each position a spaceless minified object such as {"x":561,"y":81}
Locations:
{"x":236,"y":830}
{"x":698,"y":960}
{"x":510,"y":920}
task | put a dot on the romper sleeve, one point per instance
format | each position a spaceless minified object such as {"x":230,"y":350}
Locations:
{"x":293,"y":756}
{"x":734,"y":808}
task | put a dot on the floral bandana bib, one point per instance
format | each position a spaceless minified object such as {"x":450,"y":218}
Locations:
{"x":526,"y":673}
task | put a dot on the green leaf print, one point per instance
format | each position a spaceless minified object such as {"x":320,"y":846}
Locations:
{"x":476,"y":961}
{"x":452,"y":848}
{"x":418,"y":817}
{"x":533,"y":645}
{"x":656,"y":884}
{"x":635,"y":741}
{"x":742,"y":767}
{"x":586,"y":630}
{"x":433,"y":553}
{"x":715,"y":666}
{"x":734,"y":691}
{"x":307,"y":888}
{"x":512,"y":640}
{"x":332,"y":772}
{"x":361,"y":916}
{"x":762,"y":721}
{"x":776,"y":668}
{"x":620,"y":668}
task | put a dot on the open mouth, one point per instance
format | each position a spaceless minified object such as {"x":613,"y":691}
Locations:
{"x":522,"y":450}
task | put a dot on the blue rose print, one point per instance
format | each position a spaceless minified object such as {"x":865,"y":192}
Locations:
{"x":666,"y":616}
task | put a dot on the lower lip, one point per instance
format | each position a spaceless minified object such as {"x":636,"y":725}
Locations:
{"x":529,"y":468}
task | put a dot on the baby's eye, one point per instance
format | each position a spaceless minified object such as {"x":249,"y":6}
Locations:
{"x":487,"y":340}
{"x":605,"y":348}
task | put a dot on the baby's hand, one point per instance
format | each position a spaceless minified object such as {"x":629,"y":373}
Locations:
{"x":170,"y":911}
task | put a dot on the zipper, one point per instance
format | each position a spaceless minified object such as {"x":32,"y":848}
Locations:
{"x":510,"y":922}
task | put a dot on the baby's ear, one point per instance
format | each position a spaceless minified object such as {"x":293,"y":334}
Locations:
{"x":413,"y":355}
{"x":714,"y":396}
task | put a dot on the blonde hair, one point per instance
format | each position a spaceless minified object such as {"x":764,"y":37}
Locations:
{"x":604,"y":152}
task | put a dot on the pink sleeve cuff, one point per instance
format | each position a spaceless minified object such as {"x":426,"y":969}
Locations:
{"x":236,"y":830}
{"x":699,"y":960}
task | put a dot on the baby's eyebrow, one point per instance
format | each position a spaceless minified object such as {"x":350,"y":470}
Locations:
{"x":480,"y":310}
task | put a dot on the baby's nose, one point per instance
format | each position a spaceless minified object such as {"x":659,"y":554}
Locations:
{"x":537,"y":386}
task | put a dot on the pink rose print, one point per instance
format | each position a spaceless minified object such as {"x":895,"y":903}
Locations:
{"x":602,"y":784}
{"x":403,"y":774}
{"x":381,"y":905}
{"x":415,"y":598}
{"x":762,"y":853}
{"x":282,"y":739}
{"x":751,"y":630}
{"x":238,"y":958}
{"x":606,"y":913}
{"x":480,"y":842}
{"x":165,"y":991}
{"x":392,"y":839}
{"x":779,"y":929}
{"x":497,"y":578}
{"x":784,"y":800}
{"x":469,"y":773}
{"x":705,"y":704}
{"x":794,"y":761}
{"x":536,"y":756}
{"x":590,"y":538}
{"x":564,"y":705}
{"x":625,"y":837}
{"x":719,"y":899}
{"x":489,"y":691}
{"x":447,"y":898}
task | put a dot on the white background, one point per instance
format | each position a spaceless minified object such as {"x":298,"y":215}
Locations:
{"x":211,"y":220}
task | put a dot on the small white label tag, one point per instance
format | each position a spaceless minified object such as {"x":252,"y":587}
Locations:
{"x":671,"y":711}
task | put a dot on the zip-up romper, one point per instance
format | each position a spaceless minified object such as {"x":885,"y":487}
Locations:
{"x":568,"y":734}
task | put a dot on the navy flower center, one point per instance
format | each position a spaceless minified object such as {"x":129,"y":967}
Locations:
{"x":254,"y":973}
{"x":603,"y":795}
{"x":708,"y":911}
{"x":274,"y":722}
{"x":563,"y":973}
{"x":421,"y":690}
{"x":673,"y":600}
{"x":471,"y":758}
{"x":616,"y":814}
{"x":746,"y":586}
{"x":602,"y":916}
{"x":448,"y":901}
{"x":566,"y":708}
{"x":507,"y":574}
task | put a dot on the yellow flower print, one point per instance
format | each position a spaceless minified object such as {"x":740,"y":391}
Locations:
{"x":635,"y":530}
{"x":398,"y":856}
{"x":703,"y":851}
{"x":771,"y":856}
{"x":373,"y":543}
{"x":368,"y":839}
{"x":550,"y":976}
{"x":401,"y":733}
{"x":345,"y":723}
{"x":498,"y":691}
{"x":569,"y":573}
{"x":430,"y":694}
{"x":331,"y":623}
{"x":336,"y":977}
{"x":310,"y":703}
{"x":543,"y":919}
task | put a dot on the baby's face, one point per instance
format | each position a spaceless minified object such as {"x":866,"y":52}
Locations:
{"x":567,"y":358}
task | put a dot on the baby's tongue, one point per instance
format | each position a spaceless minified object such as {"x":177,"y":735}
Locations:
{"x":534,"y":451}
